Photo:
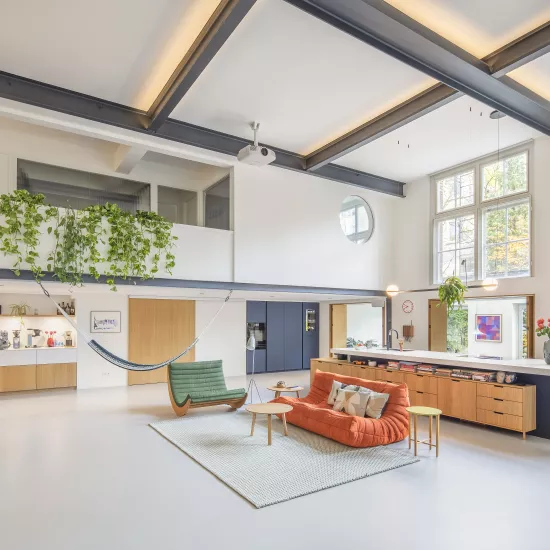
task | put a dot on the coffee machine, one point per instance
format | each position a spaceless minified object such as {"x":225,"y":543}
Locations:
{"x":68,"y":339}
{"x":35,"y":335}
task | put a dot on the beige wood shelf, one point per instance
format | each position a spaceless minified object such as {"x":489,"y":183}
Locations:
{"x":35,"y":316}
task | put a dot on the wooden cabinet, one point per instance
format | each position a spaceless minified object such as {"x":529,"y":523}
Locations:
{"x":56,"y":375}
{"x":457,"y":398}
{"x":17,"y":378}
{"x":506,"y":406}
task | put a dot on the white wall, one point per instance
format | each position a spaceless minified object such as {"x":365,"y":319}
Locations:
{"x":92,"y":370}
{"x":287,"y":231}
{"x":364,"y":322}
{"x":226,"y":337}
{"x":411,"y":251}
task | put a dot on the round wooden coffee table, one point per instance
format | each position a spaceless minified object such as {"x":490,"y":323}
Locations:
{"x":269,"y":409}
{"x":279,"y":390}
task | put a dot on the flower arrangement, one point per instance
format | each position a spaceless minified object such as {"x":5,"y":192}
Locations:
{"x":544,"y":330}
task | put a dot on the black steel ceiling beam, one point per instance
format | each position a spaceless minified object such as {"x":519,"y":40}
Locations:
{"x":380,"y":25}
{"x":65,"y":101}
{"x":213,"y":36}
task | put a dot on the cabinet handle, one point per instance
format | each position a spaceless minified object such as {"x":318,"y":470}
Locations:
{"x":420,"y":392}
{"x":497,"y":412}
{"x":420,"y":375}
{"x":457,"y":381}
{"x":499,"y":386}
{"x":497,"y":399}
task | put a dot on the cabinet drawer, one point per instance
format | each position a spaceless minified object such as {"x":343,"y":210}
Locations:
{"x":499,"y":405}
{"x":499,"y":391}
{"x":421,"y":399}
{"x":395,"y":377}
{"x":421,"y":382}
{"x":501,"y":420}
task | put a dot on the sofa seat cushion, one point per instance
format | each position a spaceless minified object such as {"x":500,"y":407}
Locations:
{"x":217,"y":395}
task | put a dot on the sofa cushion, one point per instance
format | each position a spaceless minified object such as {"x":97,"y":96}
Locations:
{"x":375,"y":402}
{"x":351,"y":402}
{"x":334,"y":390}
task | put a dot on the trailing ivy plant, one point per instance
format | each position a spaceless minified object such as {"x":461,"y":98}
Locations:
{"x":134,"y":245}
{"x":451,"y":292}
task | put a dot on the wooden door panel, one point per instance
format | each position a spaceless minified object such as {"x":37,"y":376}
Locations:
{"x":339,"y":326}
{"x":437,"y":326}
{"x":18,"y":378}
{"x":55,"y":375}
{"x":158,"y":330}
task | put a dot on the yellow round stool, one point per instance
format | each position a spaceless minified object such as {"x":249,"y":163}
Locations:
{"x":414,"y":413}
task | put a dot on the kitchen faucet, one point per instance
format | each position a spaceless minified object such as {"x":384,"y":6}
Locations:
{"x":389,"y":337}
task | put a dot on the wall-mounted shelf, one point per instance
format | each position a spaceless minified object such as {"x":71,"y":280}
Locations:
{"x":35,"y":316}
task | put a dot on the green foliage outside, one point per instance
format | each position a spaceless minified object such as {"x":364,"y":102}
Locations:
{"x":457,"y":330}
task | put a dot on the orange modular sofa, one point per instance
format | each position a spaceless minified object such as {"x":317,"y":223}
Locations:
{"x":314,"y":413}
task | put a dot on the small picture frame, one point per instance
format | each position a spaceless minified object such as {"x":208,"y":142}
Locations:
{"x":489,"y":328}
{"x":104,"y":321}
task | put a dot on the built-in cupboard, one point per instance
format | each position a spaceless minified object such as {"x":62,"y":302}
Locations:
{"x":286,"y":334}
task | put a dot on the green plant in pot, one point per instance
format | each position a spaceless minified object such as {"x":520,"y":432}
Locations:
{"x":451,"y":292}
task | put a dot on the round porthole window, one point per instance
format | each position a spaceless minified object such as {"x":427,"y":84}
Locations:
{"x":356,"y":219}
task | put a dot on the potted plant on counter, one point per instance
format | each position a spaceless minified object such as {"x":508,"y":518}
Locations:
{"x":544,"y":330}
{"x":451,"y":292}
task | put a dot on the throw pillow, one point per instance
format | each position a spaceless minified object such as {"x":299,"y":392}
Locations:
{"x":335,"y":387}
{"x":342,"y":396}
{"x":376,"y":403}
{"x":356,"y":403}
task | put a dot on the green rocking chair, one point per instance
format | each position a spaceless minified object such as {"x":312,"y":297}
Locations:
{"x":201,"y":384}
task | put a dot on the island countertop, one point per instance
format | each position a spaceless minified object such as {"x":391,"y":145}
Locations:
{"x":520,"y":366}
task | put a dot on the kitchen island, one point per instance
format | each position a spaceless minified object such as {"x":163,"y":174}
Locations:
{"x":523,"y":406}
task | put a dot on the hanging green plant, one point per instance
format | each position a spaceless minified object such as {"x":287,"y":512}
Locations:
{"x":134,"y":246}
{"x":451,"y":292}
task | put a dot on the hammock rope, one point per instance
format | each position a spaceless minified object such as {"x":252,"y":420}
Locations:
{"x":123,"y":363}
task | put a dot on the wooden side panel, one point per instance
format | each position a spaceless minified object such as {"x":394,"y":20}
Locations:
{"x":529,"y":408}
{"x":56,"y":375}
{"x":22,"y":377}
{"x":158,"y":330}
{"x":338,"y":325}
{"x":437,"y":326}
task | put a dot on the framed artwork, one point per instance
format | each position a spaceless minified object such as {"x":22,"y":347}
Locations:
{"x":488,"y":328}
{"x":105,"y":321}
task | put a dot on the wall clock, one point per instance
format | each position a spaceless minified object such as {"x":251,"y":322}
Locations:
{"x":408,"y":306}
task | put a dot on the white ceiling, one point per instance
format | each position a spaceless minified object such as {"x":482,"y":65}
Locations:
{"x":478,"y":26}
{"x":535,"y":76}
{"x":448,"y":136}
{"x":115,"y":50}
{"x":303,"y":80}
{"x":30,"y":287}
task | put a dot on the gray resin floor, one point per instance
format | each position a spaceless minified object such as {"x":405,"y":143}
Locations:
{"x":84,"y":471}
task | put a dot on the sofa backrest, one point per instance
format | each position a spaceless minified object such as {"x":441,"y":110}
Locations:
{"x":322,"y":384}
{"x":195,"y":379}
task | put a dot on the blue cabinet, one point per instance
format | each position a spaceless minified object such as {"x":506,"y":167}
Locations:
{"x":289,"y":346}
{"x":275,"y":336}
{"x":293,"y":335}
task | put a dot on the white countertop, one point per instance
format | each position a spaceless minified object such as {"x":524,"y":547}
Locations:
{"x":32,"y":356}
{"x":525,"y":366}
{"x":40,"y":348}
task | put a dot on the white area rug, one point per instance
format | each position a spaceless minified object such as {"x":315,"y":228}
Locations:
{"x":291,"y":467}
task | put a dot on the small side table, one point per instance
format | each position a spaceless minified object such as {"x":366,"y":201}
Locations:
{"x":269,"y":409}
{"x":414,"y":413}
{"x":278,"y":390}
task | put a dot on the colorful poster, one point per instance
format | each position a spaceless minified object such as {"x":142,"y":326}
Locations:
{"x":488,"y":328}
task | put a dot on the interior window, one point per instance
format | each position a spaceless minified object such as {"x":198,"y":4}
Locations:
{"x":217,"y":205}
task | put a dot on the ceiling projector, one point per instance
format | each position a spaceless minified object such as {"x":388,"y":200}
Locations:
{"x":257,"y":155}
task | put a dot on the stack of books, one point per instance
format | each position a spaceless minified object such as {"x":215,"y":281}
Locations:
{"x":461,"y":373}
{"x":442,"y":371}
{"x":393,"y":365}
{"x":426,"y":369}
{"x":381,"y":365}
{"x":408,"y":367}
{"x":484,"y":376}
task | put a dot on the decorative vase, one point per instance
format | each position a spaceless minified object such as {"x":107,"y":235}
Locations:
{"x":547,"y":352}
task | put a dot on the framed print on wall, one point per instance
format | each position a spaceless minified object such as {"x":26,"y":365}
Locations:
{"x":488,"y":328}
{"x":105,"y":321}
